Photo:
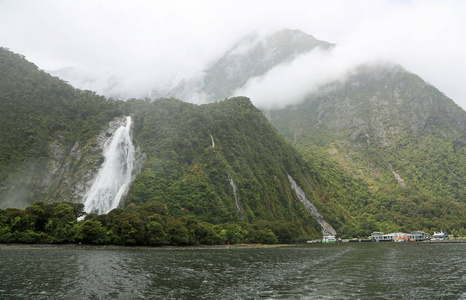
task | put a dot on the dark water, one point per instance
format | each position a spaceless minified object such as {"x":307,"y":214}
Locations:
{"x":345,"y":271}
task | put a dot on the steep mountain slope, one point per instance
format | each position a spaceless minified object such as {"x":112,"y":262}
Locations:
{"x":411,"y":127}
{"x":45,"y":125}
{"x":397,"y":136}
{"x":382,"y":151}
{"x":222,"y":162}
{"x":251,"y":57}
{"x":393,"y":130}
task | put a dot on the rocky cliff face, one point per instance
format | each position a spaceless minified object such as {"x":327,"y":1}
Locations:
{"x":69,"y":176}
{"x":385,"y":123}
{"x":380,"y":103}
{"x":66,"y":175}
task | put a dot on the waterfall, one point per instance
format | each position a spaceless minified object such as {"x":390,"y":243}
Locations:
{"x":236,"y":195}
{"x":213,"y":142}
{"x":327,"y":229}
{"x":114,"y":176}
{"x":397,"y":176}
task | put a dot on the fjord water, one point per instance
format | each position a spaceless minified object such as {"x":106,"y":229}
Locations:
{"x":345,"y":271}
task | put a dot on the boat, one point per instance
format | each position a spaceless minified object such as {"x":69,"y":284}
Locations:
{"x":439,"y":235}
{"x":329,"y":239}
{"x":390,"y":237}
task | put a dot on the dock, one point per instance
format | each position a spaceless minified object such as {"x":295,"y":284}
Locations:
{"x":444,"y":241}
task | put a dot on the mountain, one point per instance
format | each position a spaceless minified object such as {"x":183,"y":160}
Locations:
{"x":217,"y":163}
{"x":396,"y":136}
{"x":387,"y":121}
{"x":221,"y":162}
{"x":47,"y":126}
{"x":381,"y":151}
{"x":396,"y":132}
{"x":252,"y":57}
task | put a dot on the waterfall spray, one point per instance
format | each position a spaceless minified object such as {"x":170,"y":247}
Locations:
{"x":114,"y":176}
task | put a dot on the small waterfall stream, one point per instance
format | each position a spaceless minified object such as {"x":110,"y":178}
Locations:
{"x":114,"y":176}
{"x":236,"y":195}
{"x":327,"y":229}
{"x":213,"y":142}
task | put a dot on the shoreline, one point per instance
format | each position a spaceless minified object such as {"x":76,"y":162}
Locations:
{"x":18,"y":246}
{"x":119,"y":247}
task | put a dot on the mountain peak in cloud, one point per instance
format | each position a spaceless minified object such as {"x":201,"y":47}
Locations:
{"x":251,"y":57}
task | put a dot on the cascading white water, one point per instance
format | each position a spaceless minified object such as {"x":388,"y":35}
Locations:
{"x":213,"y":142}
{"x":233,"y":185}
{"x":327,"y":229}
{"x":114,"y":176}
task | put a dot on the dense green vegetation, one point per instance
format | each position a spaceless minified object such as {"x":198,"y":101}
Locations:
{"x":382,"y":117}
{"x":381,"y":121}
{"x":149,"y":224}
{"x":185,"y":172}
{"x":37,"y":110}
{"x":219,"y":172}
{"x":181,"y":170}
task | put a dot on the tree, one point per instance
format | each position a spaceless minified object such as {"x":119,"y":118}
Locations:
{"x":91,"y":232}
{"x":155,"y":234}
{"x":177,"y":233}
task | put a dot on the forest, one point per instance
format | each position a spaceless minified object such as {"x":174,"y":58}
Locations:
{"x":148,"y":224}
{"x":193,"y":156}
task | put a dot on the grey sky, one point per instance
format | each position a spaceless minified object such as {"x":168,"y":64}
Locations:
{"x":139,"y":45}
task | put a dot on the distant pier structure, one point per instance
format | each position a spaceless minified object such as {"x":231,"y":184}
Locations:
{"x":415,"y":236}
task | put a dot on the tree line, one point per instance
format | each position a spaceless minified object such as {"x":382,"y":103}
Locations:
{"x":148,"y":224}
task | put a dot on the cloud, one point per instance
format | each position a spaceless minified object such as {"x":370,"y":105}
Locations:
{"x":132,"y":48}
{"x":426,"y":38}
{"x":290,"y":83}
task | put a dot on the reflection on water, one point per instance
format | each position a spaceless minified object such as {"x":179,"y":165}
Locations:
{"x":359,"y":270}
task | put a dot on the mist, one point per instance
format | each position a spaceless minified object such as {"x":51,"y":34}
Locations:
{"x":143,"y":48}
{"x":291,"y":83}
{"x":423,"y":39}
{"x":19,"y":185}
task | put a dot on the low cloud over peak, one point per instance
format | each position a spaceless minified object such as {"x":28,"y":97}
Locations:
{"x":144,"y":48}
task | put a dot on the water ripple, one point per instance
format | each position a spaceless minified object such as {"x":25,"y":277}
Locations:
{"x":346,"y":271}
